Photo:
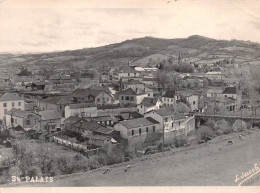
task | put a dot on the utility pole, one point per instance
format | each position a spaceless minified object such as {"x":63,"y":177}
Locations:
{"x":163,"y":134}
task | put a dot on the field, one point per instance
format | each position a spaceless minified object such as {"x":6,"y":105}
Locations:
{"x":215,"y":163}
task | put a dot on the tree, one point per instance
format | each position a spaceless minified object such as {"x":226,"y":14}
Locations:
{"x":24,"y":71}
{"x":182,"y":108}
{"x":205,"y":82}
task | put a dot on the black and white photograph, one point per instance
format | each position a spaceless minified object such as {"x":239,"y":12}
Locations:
{"x":140,"y":93}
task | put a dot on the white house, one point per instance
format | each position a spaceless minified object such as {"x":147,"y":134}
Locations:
{"x":169,"y":98}
{"x":135,"y":131}
{"x":9,"y":101}
{"x":172,"y":123}
{"x":148,"y":104}
{"x":130,"y":96}
{"x":81,"y":110}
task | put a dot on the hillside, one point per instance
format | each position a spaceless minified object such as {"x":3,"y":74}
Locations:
{"x":139,"y":51}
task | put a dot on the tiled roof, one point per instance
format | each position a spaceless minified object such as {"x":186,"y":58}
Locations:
{"x":218,"y":91}
{"x":165,"y":111}
{"x":17,"y":113}
{"x":131,"y":115}
{"x":170,"y":94}
{"x":72,"y":119}
{"x":82,"y":105}
{"x":149,"y":101}
{"x":101,"y":137}
{"x":49,"y":115}
{"x":10,"y":97}
{"x":136,"y":91}
{"x":57,"y":100}
{"x":104,"y":130}
{"x":59,"y":77}
{"x":134,"y":123}
{"x":87,"y":125}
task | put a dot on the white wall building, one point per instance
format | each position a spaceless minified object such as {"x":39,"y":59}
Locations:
{"x":9,"y":101}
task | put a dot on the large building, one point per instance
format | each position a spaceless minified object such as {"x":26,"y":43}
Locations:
{"x":9,"y":101}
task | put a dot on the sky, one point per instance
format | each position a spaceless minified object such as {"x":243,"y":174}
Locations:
{"x":55,"y":25}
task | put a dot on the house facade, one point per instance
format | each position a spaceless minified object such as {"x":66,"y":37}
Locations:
{"x":129,"y":96}
{"x":81,"y":110}
{"x":137,"y":131}
{"x":172,"y":123}
{"x":169,"y":98}
{"x":27,"y":120}
{"x":148,"y":104}
{"x":9,"y":101}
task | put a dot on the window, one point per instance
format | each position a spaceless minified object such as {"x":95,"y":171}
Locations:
{"x":140,"y":131}
{"x":60,"y":107}
{"x":153,"y":128}
{"x":12,"y":104}
{"x":171,"y":100}
{"x":179,"y":123}
{"x":5,"y":111}
{"x":225,"y":95}
{"x":194,"y":102}
{"x":27,"y":122}
{"x":127,"y":98}
{"x":166,"y":119}
{"x":133,"y":132}
{"x":107,"y":99}
{"x":4,"y":105}
{"x":148,"y":94}
{"x":172,"y":124}
{"x":147,"y":129}
{"x":98,"y":100}
{"x":122,"y":97}
{"x":131,"y":98}
{"x":12,"y":120}
{"x":141,"y":106}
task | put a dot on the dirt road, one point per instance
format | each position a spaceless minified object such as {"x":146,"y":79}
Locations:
{"x":212,"y":164}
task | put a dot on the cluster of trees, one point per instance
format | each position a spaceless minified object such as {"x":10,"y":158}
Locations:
{"x":35,"y":159}
{"x":24,"y":71}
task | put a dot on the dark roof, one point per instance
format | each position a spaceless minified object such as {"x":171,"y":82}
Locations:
{"x":230,"y":90}
{"x":87,"y":125}
{"x":149,"y":101}
{"x":49,"y":115}
{"x":10,"y":97}
{"x":57,"y":100}
{"x":152,"y":120}
{"x":170,"y":94}
{"x":137,"y":91}
{"x":131,"y":115}
{"x":165,"y":111}
{"x":134,"y":123}
{"x":72,"y":119}
{"x":18,"y":128}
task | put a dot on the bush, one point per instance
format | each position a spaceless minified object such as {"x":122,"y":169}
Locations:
{"x":237,"y":126}
{"x":180,"y":140}
{"x":34,"y":171}
{"x":160,"y":147}
{"x":204,"y":133}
